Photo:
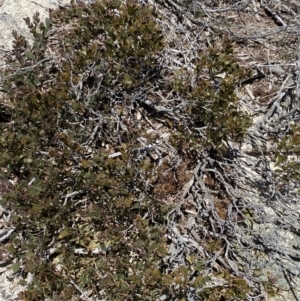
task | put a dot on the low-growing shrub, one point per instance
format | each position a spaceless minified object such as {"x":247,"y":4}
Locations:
{"x":88,"y":220}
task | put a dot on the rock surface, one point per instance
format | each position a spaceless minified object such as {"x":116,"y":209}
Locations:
{"x":12,"y":13}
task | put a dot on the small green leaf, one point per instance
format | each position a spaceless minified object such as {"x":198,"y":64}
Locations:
{"x":24,"y":140}
{"x":36,"y":208}
{"x":85,"y":164}
{"x":48,"y":22}
{"x":15,"y":267}
{"x":29,"y":55}
{"x":127,"y":79}
{"x":64,"y":233}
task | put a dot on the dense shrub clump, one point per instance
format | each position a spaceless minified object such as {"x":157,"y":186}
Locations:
{"x":215,"y":117}
{"x":85,"y":210}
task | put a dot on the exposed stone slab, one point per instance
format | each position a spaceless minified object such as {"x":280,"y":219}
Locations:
{"x":12,"y":13}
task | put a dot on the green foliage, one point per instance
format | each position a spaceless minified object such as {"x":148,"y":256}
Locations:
{"x":45,"y":147}
{"x":287,"y":166}
{"x":212,"y":102}
{"x":69,"y":196}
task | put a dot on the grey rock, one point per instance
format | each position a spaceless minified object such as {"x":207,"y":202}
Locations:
{"x":12,"y":13}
